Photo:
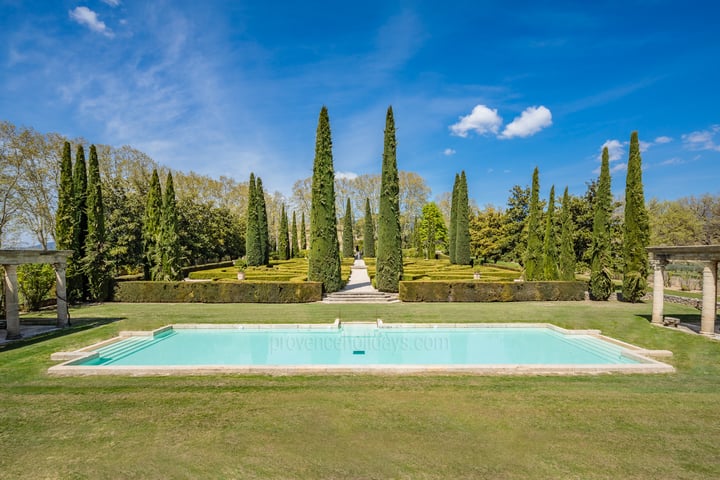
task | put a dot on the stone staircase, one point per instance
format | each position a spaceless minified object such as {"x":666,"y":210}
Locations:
{"x":349,"y":296}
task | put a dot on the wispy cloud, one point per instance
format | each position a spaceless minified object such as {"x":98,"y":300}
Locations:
{"x":85,"y":16}
{"x":673,"y":161}
{"x":346,"y":175}
{"x":663,"y":139}
{"x":616,"y":148}
{"x":482,"y":120}
{"x":619,"y":167}
{"x":112,"y":3}
{"x":702,"y":139}
{"x":530,"y":122}
{"x":448,"y":152}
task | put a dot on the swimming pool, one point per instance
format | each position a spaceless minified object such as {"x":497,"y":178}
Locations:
{"x":361,"y":348}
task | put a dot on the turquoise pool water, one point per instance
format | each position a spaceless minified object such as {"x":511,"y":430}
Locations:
{"x":360,"y":345}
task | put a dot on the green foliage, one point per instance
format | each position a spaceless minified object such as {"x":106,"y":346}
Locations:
{"x":486,"y":236}
{"x":151,"y":224}
{"x":294,"y":249}
{"x":550,"y":257}
{"x":77,"y":280}
{"x":218,"y":292}
{"x":253,"y":248}
{"x":284,"y":237}
{"x":600,"y":264}
{"x":324,"y":256}
{"x":637,"y":228}
{"x":462,"y":229}
{"x":432,"y":231}
{"x":263,"y":222}
{"x":674,"y":222}
{"x":95,"y":262}
{"x":514,"y":232}
{"x":169,"y":261}
{"x":468,"y":291}
{"x":369,"y":231}
{"x":567,"y":252}
{"x":533,"y":253}
{"x":303,"y":233}
{"x":453,"y":219}
{"x":389,"y":248}
{"x":348,"y":249}
{"x":35,"y":282}
{"x":209,"y":233}
{"x":65,"y":217}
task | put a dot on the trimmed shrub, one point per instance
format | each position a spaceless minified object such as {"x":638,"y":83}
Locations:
{"x":196,"y":268}
{"x":218,"y":292}
{"x":470,"y":291}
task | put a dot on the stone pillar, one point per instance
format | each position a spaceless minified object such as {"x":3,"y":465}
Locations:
{"x":61,"y":294}
{"x":709,"y":300}
{"x":658,"y":290}
{"x":12,"y":312}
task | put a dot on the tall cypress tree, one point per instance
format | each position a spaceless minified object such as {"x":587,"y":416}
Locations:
{"x":94,"y":261}
{"x":78,"y":280}
{"x":65,"y":216}
{"x":151,"y":225}
{"x":294,"y":250}
{"x":169,"y":261}
{"x":369,"y":232}
{"x":283,"y":248}
{"x":303,"y":233}
{"x":533,"y":253}
{"x":253,"y":250}
{"x":324,"y":256}
{"x":462,"y":219}
{"x":637,"y":228}
{"x":347,"y":238}
{"x":601,"y":285}
{"x":567,"y":250}
{"x":263,"y":222}
{"x":453,"y":220}
{"x":389,"y":248}
{"x":550,"y":257}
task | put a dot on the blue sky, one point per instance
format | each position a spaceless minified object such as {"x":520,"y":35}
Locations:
{"x":494,"y":88}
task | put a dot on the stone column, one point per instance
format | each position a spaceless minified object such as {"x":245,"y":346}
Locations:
{"x":12,"y":312}
{"x":709,"y":300}
{"x":61,"y":294}
{"x":658,"y":289}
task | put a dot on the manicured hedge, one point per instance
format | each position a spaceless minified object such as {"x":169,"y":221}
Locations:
{"x":195,"y":268}
{"x":218,"y":292}
{"x":471,"y":291}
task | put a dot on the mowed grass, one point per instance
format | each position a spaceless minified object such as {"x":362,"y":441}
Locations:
{"x":589,"y":427}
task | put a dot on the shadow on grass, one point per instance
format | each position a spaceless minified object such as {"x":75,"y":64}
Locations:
{"x":691,"y":318}
{"x":78,"y":325}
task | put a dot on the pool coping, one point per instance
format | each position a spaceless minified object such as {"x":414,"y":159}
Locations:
{"x":69,"y":360}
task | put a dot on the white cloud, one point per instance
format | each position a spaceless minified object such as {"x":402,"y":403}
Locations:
{"x":663,"y":139}
{"x":619,"y":167}
{"x":615,"y":149}
{"x":346,"y":175}
{"x":531,"y":121}
{"x":645,"y":145}
{"x":702,"y":139}
{"x":85,"y":16}
{"x":673,"y":161}
{"x":481,"y":120}
{"x":449,"y":151}
{"x":112,"y":3}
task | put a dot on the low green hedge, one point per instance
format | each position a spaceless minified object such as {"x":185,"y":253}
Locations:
{"x":218,"y":292}
{"x":195,"y":268}
{"x":471,"y":291}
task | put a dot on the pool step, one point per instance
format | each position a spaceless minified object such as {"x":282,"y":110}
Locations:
{"x":348,"y":296}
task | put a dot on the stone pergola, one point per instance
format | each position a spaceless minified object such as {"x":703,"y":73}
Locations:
{"x":709,"y":256}
{"x":10,"y":259}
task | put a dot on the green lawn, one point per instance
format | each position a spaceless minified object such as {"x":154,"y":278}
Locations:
{"x":608,"y":426}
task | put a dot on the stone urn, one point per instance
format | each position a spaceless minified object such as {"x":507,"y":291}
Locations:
{"x":476,"y":275}
{"x":241,"y":275}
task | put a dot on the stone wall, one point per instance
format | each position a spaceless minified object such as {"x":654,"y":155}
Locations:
{"x":690,"y":302}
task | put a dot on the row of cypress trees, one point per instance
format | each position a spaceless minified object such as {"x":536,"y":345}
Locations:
{"x":80,"y":225}
{"x":459,"y":242}
{"x":257,"y":238}
{"x":161,"y":241}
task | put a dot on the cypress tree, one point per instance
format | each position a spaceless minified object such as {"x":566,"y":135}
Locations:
{"x":303,"y":233}
{"x":168,"y":265}
{"x":151,"y":224}
{"x":462,"y":228}
{"x":550,"y":260}
{"x":294,"y":251}
{"x":389,"y":248}
{"x":369,"y":232}
{"x":533,"y":253}
{"x":253,"y":250}
{"x":567,"y":250}
{"x":453,"y":220}
{"x":601,"y":285}
{"x":263,"y":222}
{"x":78,"y":280}
{"x":65,"y":216}
{"x":347,"y":238}
{"x":94,"y":262}
{"x":283,"y":248}
{"x":324,"y":256}
{"x":637,"y":228}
